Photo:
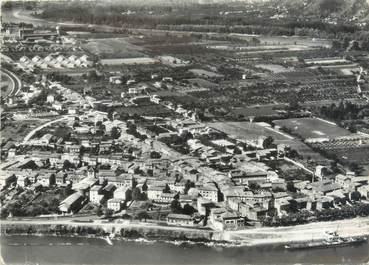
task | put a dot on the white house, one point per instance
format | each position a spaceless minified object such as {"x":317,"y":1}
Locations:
{"x":114,"y":204}
{"x":95,"y":196}
{"x":208,"y":192}
{"x":364,"y":191}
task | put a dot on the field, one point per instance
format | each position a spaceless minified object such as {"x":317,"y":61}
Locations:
{"x":17,"y":130}
{"x":258,"y":111}
{"x":312,"y":128}
{"x":246,"y":130}
{"x":347,"y":150}
{"x":303,"y":150}
{"x":275,"y":68}
{"x":113,"y":48}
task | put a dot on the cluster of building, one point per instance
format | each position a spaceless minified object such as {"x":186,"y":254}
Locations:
{"x":195,"y":173}
{"x":54,"y":61}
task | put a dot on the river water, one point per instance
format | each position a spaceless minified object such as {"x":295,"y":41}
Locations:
{"x":77,"y":250}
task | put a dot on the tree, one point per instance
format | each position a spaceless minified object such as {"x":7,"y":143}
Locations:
{"x":111,"y":114}
{"x":92,"y":76}
{"x":128,"y":195}
{"x":237,"y":151}
{"x":108,"y":212}
{"x":355,"y":167}
{"x":355,"y":196}
{"x":136,"y":194}
{"x":166,"y":189}
{"x":268,"y":142}
{"x":291,"y":186}
{"x":255,"y":41}
{"x":67,"y":165}
{"x":175,"y":206}
{"x":189,"y":184}
{"x":144,"y":187}
{"x":99,"y":211}
{"x":143,"y":215}
{"x":154,"y":155}
{"x":188,"y":209}
{"x":4,"y":213}
{"x":254,"y":186}
{"x":115,"y":133}
{"x":63,"y":132}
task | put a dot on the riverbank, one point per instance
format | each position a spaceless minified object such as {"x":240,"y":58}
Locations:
{"x":124,"y":230}
{"x":147,"y":231}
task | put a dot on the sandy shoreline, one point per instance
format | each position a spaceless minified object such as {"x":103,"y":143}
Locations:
{"x":249,"y":237}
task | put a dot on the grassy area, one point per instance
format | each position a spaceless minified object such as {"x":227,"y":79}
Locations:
{"x":16,"y":130}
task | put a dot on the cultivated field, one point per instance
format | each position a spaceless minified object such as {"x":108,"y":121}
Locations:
{"x":258,"y":111}
{"x":302,"y":149}
{"x":347,"y":150}
{"x":113,"y":48}
{"x":312,"y":128}
{"x":275,"y":68}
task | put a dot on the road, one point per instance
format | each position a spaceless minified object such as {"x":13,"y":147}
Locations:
{"x":31,"y":133}
{"x":16,"y":83}
{"x":280,"y":235}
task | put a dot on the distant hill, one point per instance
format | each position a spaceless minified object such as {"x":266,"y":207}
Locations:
{"x":339,"y":8}
{"x":322,"y":8}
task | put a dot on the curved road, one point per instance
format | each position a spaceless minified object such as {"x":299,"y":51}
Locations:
{"x":16,"y":83}
{"x":22,"y":16}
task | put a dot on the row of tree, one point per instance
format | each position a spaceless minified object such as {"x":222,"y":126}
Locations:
{"x":330,"y":214}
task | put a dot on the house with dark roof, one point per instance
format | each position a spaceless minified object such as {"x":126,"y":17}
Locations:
{"x":72,"y":203}
{"x":180,"y":219}
{"x":245,"y":178}
{"x":323,"y":187}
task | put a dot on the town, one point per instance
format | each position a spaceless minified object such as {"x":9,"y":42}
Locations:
{"x":180,"y":126}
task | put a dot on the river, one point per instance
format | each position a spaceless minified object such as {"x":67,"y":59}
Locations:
{"x":77,"y":250}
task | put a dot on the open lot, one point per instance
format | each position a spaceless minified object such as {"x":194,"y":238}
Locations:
{"x":312,"y":128}
{"x":113,"y":48}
